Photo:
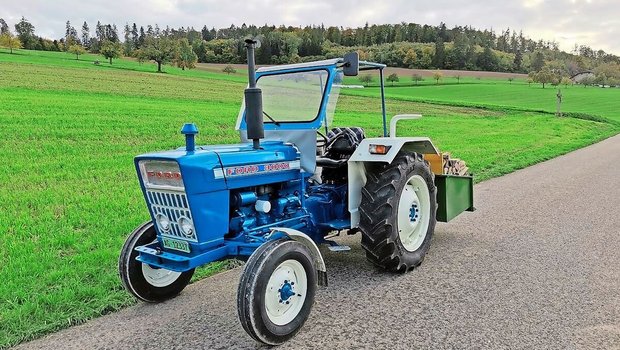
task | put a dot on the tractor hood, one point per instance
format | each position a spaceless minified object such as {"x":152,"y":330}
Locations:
{"x":220,"y":167}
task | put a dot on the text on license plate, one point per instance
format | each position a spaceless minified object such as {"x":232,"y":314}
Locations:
{"x":176,"y":244}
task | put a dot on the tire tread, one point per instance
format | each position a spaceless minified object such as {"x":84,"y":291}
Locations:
{"x":380,"y":196}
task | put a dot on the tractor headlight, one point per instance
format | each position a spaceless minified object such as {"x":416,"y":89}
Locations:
{"x":163,"y":222}
{"x":161,"y":174}
{"x":186,"y":225}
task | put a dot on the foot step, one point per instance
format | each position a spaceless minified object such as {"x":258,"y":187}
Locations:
{"x":339,"y":248}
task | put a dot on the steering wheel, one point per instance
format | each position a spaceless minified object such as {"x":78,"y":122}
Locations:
{"x":325,"y":140}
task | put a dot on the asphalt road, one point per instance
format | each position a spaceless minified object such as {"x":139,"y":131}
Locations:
{"x":537,"y":266}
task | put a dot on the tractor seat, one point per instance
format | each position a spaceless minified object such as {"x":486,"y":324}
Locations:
{"x":325,"y":162}
{"x":341,"y":143}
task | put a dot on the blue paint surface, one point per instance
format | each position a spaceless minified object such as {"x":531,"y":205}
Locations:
{"x":230,"y":187}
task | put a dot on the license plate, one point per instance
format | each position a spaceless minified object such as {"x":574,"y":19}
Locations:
{"x":175,"y":244}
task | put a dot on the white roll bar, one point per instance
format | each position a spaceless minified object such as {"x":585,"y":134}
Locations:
{"x":395,"y":119}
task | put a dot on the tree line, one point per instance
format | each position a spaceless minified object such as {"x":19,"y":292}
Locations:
{"x":408,"y":45}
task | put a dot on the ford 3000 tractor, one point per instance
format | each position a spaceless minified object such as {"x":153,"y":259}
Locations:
{"x":291,"y":185}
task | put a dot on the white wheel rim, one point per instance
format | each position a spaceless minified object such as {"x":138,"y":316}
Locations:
{"x":282,"y":304}
{"x":159,"y":277}
{"x":414,"y":213}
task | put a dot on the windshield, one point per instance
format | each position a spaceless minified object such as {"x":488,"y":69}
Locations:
{"x":296,"y":97}
{"x":293,"y":97}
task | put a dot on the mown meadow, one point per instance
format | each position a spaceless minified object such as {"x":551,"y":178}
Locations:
{"x":69,"y":130}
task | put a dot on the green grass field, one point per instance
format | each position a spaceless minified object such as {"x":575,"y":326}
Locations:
{"x":499,"y":94}
{"x":68,"y":190}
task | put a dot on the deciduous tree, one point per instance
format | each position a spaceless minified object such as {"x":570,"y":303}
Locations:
{"x":111,"y":49}
{"x":185,"y":58}
{"x":392,"y":78}
{"x":10,"y":42}
{"x":437,"y":75}
{"x":426,"y":59}
{"x":566,"y":81}
{"x":77,"y":50}
{"x":160,"y":49}
{"x":545,"y":76}
{"x":410,"y":58}
{"x":588,"y":80}
{"x":606,"y":72}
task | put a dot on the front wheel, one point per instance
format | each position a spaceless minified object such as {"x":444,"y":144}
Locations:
{"x":276,"y":291}
{"x":145,"y":282}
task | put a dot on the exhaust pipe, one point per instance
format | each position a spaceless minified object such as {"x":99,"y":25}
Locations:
{"x":189,"y":130}
{"x":253,"y":100}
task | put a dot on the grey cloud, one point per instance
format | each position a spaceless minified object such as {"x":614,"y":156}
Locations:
{"x":591,"y":22}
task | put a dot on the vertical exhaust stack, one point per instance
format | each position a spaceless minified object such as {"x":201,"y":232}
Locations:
{"x":253,"y":100}
{"x":189,"y":130}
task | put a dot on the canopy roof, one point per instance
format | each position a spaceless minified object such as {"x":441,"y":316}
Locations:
{"x":364,"y":65}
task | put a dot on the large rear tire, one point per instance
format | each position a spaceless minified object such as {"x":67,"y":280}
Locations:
{"x":397,"y":212}
{"x":276,"y":291}
{"x":146,"y":282}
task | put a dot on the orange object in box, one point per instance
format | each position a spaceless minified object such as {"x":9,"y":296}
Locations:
{"x":436,"y":162}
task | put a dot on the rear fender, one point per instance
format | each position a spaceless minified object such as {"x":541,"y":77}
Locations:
{"x":357,"y":171}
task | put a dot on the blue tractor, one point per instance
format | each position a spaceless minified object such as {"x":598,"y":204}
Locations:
{"x":291,"y":185}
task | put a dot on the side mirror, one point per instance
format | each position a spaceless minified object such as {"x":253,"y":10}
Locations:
{"x":351,"y":66}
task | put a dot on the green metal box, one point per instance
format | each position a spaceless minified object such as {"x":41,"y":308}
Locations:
{"x":455,"y":194}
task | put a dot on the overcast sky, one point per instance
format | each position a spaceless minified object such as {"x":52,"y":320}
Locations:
{"x":590,"y":22}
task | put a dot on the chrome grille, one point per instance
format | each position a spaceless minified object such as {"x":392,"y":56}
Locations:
{"x":174,"y":205}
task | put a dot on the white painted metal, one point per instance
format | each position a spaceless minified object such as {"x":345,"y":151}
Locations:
{"x":317,"y":64}
{"x":159,"y":277}
{"x":422,"y":145}
{"x":307,"y":241}
{"x":356,"y":180}
{"x":282,"y":312}
{"x":414,"y":213}
{"x":395,"y":119}
{"x":339,"y":248}
{"x":357,"y":171}
{"x":262,"y":206}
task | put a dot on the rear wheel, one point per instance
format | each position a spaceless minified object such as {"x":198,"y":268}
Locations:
{"x":145,"y":282}
{"x":276,"y":291}
{"x":398,"y":211}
